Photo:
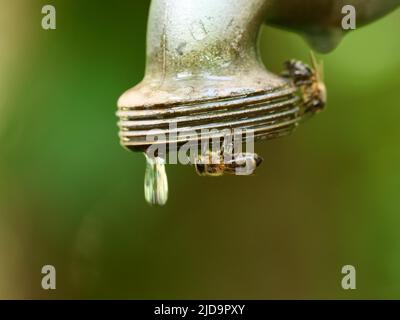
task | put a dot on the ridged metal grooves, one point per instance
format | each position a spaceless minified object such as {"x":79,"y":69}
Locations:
{"x":269,"y":114}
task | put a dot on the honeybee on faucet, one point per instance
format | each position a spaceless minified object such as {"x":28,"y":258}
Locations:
{"x":310,"y":81}
{"x":217,"y":164}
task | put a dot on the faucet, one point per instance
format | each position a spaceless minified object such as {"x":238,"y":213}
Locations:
{"x":203,"y":71}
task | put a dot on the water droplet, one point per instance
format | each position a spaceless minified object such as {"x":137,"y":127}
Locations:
{"x":155,"y":181}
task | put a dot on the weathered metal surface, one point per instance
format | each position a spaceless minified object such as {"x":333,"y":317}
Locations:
{"x":204,"y":71}
{"x":320,"y":21}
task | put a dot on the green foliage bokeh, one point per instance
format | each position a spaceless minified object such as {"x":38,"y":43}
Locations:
{"x":70,"y":196}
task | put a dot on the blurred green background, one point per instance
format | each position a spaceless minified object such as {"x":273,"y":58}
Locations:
{"x":71,"y":197}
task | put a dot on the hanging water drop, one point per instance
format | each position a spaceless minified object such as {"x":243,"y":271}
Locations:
{"x":155,"y":181}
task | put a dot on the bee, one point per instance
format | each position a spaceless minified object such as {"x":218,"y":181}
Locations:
{"x":310,"y":81}
{"x":216,"y":164}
